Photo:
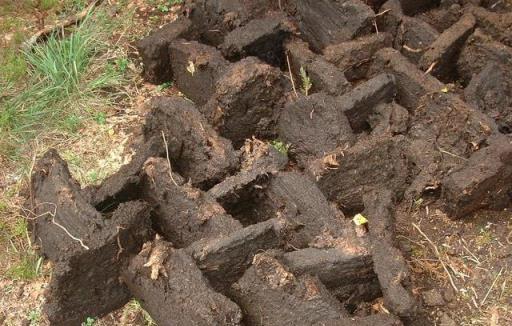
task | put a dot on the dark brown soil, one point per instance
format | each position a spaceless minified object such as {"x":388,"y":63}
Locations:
{"x":396,"y":110}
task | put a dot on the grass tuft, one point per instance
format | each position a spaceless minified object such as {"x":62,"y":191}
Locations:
{"x":28,"y":267}
{"x":61,"y":84}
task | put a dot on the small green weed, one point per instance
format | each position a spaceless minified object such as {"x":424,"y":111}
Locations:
{"x":89,"y":321}
{"x":163,"y":86}
{"x":100,"y":118}
{"x":136,"y":307}
{"x":163,"y":8}
{"x":306,"y":81}
{"x":34,"y":316}
{"x":280,"y":146}
{"x":122,"y":64}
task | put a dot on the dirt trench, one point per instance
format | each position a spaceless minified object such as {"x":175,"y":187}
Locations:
{"x":370,"y":105}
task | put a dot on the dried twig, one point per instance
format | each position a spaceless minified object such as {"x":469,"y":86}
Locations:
{"x":168,"y":159}
{"x":438,"y":254}
{"x":27,"y":45}
{"x":291,"y":75}
{"x":408,"y":48}
{"x":451,"y":154}
{"x":53,"y":214}
{"x":382,"y":12}
{"x":492,"y":286}
{"x":432,"y":66}
{"x":121,"y":249}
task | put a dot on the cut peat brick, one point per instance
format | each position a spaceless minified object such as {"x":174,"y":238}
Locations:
{"x":183,"y":214}
{"x":154,"y":49}
{"x":197,"y":152}
{"x":491,"y":92}
{"x":481,"y":49}
{"x":224,"y":260}
{"x":56,"y":196}
{"x":314,"y":125}
{"x":414,"y":37}
{"x":444,"y":51}
{"x":360,"y":103}
{"x":262,"y":38}
{"x":196,"y":68}
{"x":323,"y":75}
{"x":460,"y":130}
{"x":344,"y":175}
{"x":173,"y":290}
{"x":484,"y":181}
{"x":73,"y":294}
{"x":412,"y":83}
{"x":324,"y":22}
{"x":216,"y":18}
{"x":389,"y":263}
{"x":300,"y":201}
{"x":498,"y":25}
{"x":347,"y":273}
{"x":271,"y":295}
{"x":246,"y":101}
{"x":354,"y":57}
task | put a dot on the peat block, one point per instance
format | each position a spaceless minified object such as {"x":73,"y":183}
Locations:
{"x":87,"y":283}
{"x":484,"y":181}
{"x":300,"y":201}
{"x":323,"y":75}
{"x":154,"y":49}
{"x":196,"y":151}
{"x":346,"y":272}
{"x":183,"y":214}
{"x":481,"y":49}
{"x":215,"y":18}
{"x":354,"y":57}
{"x":269,"y":294}
{"x":414,"y":37}
{"x":345,"y":174}
{"x":246,"y":100}
{"x":359,"y":103}
{"x":411,"y":82}
{"x":389,"y":263}
{"x":262,"y":38}
{"x":56,"y":198}
{"x":223,"y":260}
{"x":196,"y":68}
{"x":324,"y":22}
{"x":491,"y":92}
{"x":443,"y":52}
{"x":173,"y":290}
{"x":314,"y":125}
{"x":498,"y":25}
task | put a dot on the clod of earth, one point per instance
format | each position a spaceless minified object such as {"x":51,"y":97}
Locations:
{"x":209,"y":224}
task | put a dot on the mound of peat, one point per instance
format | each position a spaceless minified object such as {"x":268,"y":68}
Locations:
{"x":210,"y":225}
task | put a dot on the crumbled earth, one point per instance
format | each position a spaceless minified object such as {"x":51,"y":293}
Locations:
{"x":368,"y":182}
